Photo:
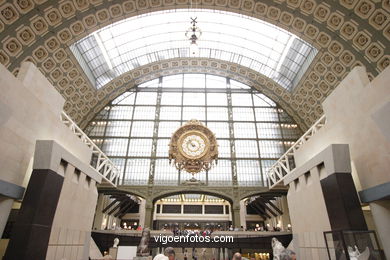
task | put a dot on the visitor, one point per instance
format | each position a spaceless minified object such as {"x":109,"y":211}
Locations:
{"x":231,"y":228}
{"x":170,"y":253}
{"x":237,"y":256}
{"x":194,"y":256}
{"x":160,"y":257}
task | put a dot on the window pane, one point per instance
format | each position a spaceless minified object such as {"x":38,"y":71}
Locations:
{"x":223,"y":148}
{"x":216,"y":99}
{"x":243,"y":114}
{"x":137,"y":172}
{"x":271,"y":149}
{"x":194,"y":99}
{"x":266,"y":114}
{"x":215,"y":81}
{"x":140,"y":147}
{"x":142,"y":129}
{"x":175,"y":81}
{"x":170,"y":113}
{"x":121,"y":112}
{"x":165,"y":174}
{"x":260,"y":100}
{"x":197,"y":113}
{"x":217,"y":114}
{"x":166,"y":129}
{"x":241,"y":100}
{"x":144,"y":112}
{"x":269,"y":130}
{"x":162,"y":147}
{"x":171,"y":98}
{"x":246,"y":149}
{"x":244,"y":130}
{"x":248,"y":173}
{"x":194,"y":81}
{"x":97,"y":130}
{"x":291,"y":131}
{"x":221,"y":175}
{"x":221,"y":130}
{"x":115,"y":146}
{"x":146,"y":98}
{"x":118,"y":128}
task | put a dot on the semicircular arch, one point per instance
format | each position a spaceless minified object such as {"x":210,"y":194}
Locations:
{"x":191,"y":191}
{"x":198,"y":65}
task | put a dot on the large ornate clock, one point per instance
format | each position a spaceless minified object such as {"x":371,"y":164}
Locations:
{"x":193,"y":147}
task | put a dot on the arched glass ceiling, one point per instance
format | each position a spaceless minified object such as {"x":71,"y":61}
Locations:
{"x":140,"y":40}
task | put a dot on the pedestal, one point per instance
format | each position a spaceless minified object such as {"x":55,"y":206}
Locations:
{"x":113,"y":251}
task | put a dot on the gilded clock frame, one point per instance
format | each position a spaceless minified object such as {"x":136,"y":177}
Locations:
{"x":193,"y":164}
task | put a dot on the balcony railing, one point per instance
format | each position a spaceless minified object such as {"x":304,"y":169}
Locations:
{"x":99,"y":161}
{"x":286,"y":162}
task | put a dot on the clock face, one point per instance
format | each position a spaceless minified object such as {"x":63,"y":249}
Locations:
{"x":193,"y":145}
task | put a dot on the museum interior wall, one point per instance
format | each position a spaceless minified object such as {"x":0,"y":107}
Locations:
{"x":350,"y":119}
{"x":30,"y":111}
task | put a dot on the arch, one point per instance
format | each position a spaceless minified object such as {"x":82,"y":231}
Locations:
{"x":215,"y":67}
{"x":187,"y":190}
{"x":40,"y":32}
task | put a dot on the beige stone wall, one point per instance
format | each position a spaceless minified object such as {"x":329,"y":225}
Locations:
{"x":71,"y":227}
{"x":71,"y":230}
{"x":349,"y":112}
{"x":309,"y":217}
{"x":30,"y":110}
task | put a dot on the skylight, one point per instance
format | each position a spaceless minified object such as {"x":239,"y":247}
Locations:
{"x":137,"y":41}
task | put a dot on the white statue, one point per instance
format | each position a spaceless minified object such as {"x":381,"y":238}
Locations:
{"x":116,"y":242}
{"x":277,"y":248}
{"x":356,"y":255}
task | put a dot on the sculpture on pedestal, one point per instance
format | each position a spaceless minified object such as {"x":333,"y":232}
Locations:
{"x":143,"y":248}
{"x":116,"y":242}
{"x":280,"y":252}
{"x":277,"y":248}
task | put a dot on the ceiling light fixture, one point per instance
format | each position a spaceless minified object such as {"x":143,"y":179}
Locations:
{"x":193,"y":34}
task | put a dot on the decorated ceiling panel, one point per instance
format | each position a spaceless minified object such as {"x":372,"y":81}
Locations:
{"x":347,"y":33}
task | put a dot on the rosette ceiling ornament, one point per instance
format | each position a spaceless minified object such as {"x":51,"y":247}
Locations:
{"x":193,"y":148}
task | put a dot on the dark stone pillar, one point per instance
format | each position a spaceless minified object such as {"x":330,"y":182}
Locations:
{"x":342,"y":202}
{"x":31,"y":233}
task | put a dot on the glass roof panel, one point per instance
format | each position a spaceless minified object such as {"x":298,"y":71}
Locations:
{"x":136,"y":41}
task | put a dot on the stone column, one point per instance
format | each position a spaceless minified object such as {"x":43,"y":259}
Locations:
{"x":243,"y":214}
{"x":236,"y":214}
{"x":148,"y":214}
{"x":381,"y":214}
{"x":141,"y":220}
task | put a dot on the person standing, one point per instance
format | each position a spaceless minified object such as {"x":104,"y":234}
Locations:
{"x":170,"y":253}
